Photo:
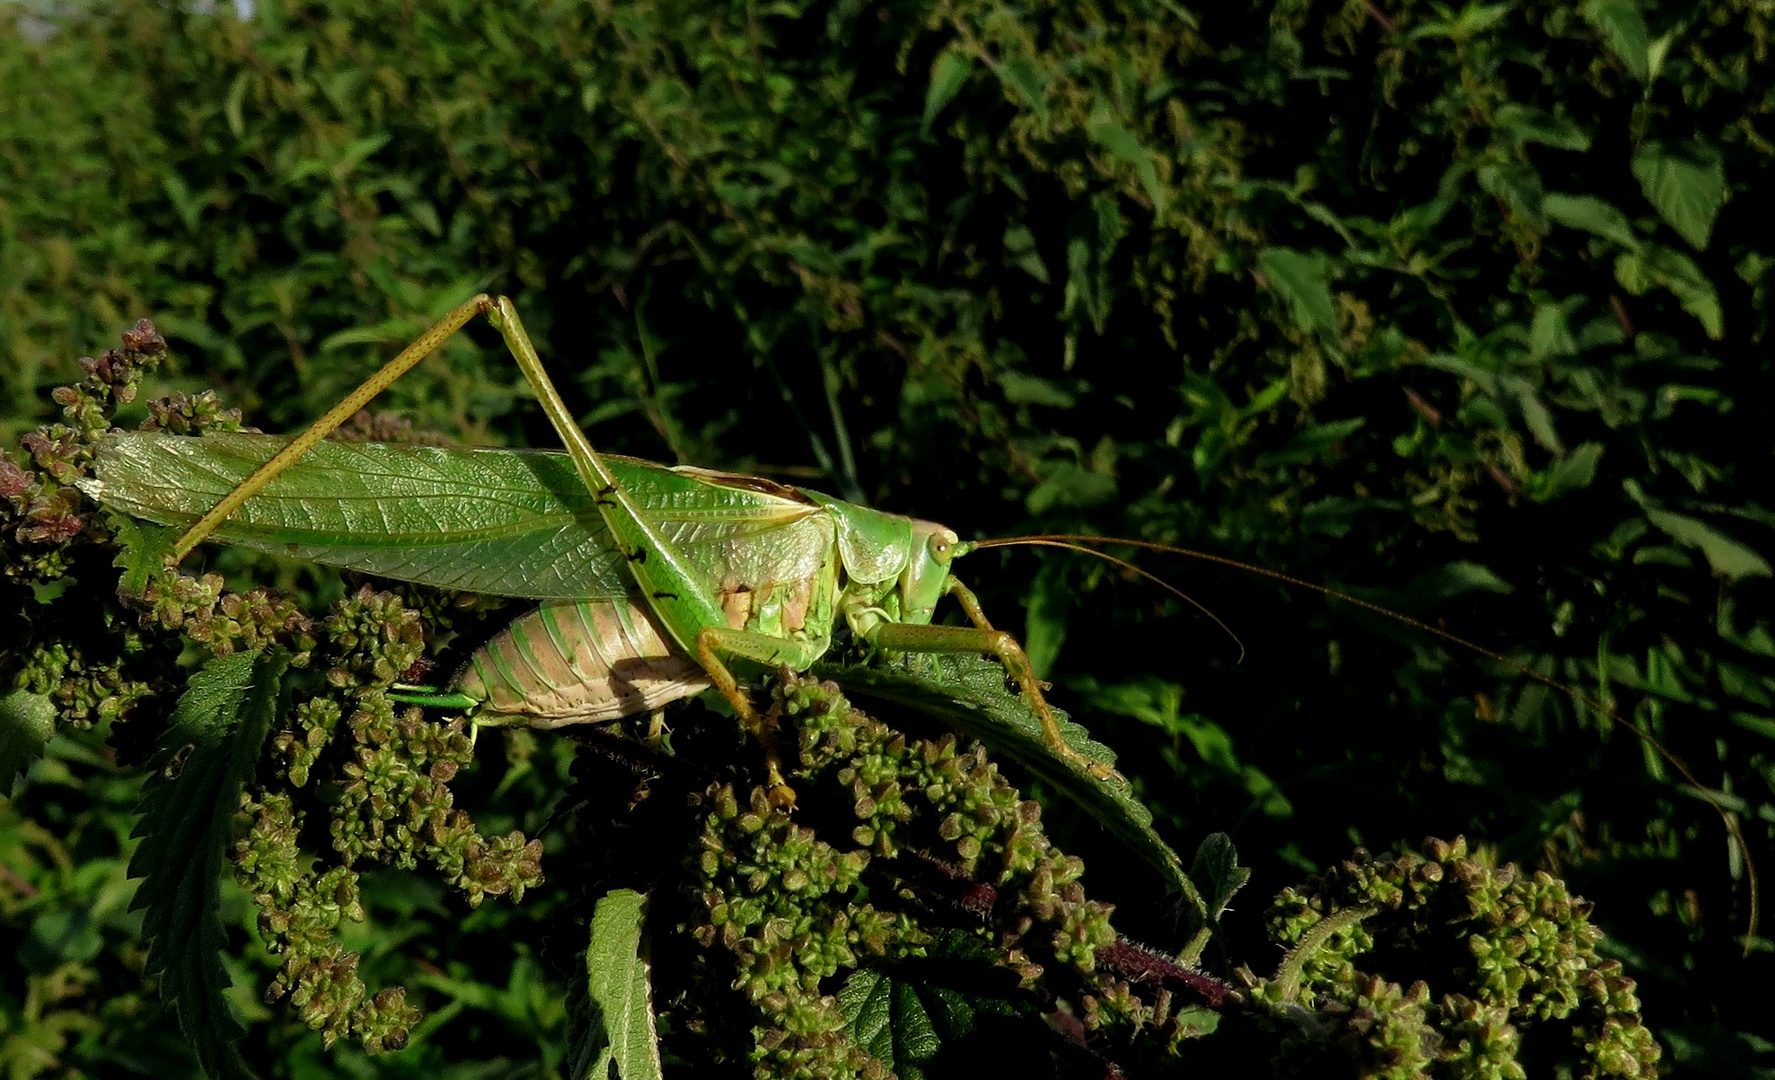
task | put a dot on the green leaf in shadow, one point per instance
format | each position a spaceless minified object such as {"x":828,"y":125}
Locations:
{"x":186,"y":825}
{"x":27,"y":721}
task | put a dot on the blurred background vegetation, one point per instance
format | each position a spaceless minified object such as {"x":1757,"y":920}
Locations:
{"x":1460,"y":308}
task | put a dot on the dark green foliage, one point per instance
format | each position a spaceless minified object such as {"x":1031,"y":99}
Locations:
{"x":1462,"y":308}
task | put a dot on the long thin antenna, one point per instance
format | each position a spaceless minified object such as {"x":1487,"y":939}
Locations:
{"x":1055,"y":542}
{"x":1074,"y":541}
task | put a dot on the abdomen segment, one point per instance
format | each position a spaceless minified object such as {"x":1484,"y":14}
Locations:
{"x":579,"y":662}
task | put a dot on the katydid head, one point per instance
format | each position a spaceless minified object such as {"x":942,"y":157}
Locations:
{"x":926,"y":576}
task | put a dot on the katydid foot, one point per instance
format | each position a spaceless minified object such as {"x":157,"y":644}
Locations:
{"x":982,"y":637}
{"x":762,"y":728}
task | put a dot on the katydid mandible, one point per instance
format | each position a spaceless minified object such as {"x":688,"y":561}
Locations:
{"x":695,"y":597}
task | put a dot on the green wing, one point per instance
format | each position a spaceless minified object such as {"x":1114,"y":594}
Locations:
{"x":506,"y":522}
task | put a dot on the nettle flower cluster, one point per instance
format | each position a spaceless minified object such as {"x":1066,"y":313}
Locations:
{"x":1438,"y":963}
{"x":927,"y":851}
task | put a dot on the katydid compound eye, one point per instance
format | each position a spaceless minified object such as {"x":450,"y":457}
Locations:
{"x":941,"y":544}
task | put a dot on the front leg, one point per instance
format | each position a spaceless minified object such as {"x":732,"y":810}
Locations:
{"x":982,"y":638}
{"x":715,"y":642}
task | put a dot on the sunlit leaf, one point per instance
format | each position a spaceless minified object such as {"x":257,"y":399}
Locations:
{"x":619,"y":1040}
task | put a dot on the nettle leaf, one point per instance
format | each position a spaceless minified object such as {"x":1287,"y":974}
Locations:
{"x":949,"y":73}
{"x":1456,"y":579}
{"x":906,"y":1016}
{"x":1570,"y":473}
{"x":1301,"y":279}
{"x":143,"y":547}
{"x":1536,"y":416}
{"x":1550,"y":334}
{"x":1519,"y":185}
{"x":1729,"y":558}
{"x":619,"y":1031}
{"x":1091,"y":242}
{"x":1656,"y":266}
{"x":1217,"y":876}
{"x":1022,"y":388}
{"x":186,"y":826}
{"x":1525,"y":124}
{"x":1049,"y":602}
{"x":885,"y":1017}
{"x":1124,"y":144}
{"x":1312,"y":444}
{"x":1067,"y":483}
{"x":1623,"y":29}
{"x":1686,"y":183}
{"x":210,"y":706}
{"x":968,"y":693}
{"x":27,"y":721}
{"x":1021,"y":252}
{"x":1592,"y":215}
{"x":1026,"y":81}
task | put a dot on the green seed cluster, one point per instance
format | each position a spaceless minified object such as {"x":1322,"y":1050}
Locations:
{"x":385,"y":427}
{"x":84,"y":690}
{"x":899,"y":787}
{"x":223,"y":622}
{"x":191,"y":414}
{"x":382,"y":773}
{"x":40,"y":509}
{"x":1150,"y":1032}
{"x":373,"y":637}
{"x":779,"y":900}
{"x":396,"y":806}
{"x":89,"y":668}
{"x":299,"y":917}
{"x":1512,"y":952}
{"x":315,"y":722}
{"x":782,"y":901}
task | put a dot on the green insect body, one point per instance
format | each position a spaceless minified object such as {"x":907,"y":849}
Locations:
{"x":654,"y":579}
{"x":519,"y":523}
